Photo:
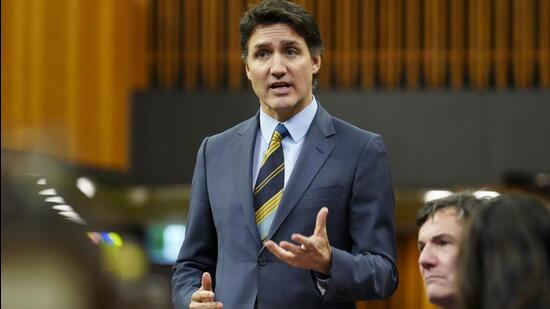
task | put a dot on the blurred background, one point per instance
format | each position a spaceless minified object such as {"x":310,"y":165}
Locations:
{"x":104,"y":105}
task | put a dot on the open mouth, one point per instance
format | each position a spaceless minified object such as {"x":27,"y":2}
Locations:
{"x":280,"y":85}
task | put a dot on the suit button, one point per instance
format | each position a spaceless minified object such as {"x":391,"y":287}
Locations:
{"x":262,"y":261}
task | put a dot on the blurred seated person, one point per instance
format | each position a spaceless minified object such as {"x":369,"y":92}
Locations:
{"x":505,"y":256}
{"x":440,"y":225}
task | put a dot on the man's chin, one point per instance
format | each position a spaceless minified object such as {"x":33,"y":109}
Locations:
{"x":441,"y":298}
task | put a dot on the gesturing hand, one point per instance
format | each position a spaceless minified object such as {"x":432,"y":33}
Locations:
{"x":204,"y":297}
{"x":313,"y":252}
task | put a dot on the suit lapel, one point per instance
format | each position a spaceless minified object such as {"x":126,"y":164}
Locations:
{"x":243,"y":154}
{"x":315,"y":151}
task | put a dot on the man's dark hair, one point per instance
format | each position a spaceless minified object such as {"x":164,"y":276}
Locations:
{"x":463,"y":202}
{"x":270,"y":12}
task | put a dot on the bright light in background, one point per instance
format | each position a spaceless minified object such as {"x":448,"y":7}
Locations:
{"x":486,"y":194}
{"x":63,"y":208}
{"x":163,"y":242}
{"x":69,"y":214}
{"x":173,"y":235}
{"x":86,"y":186}
{"x":49,"y":191}
{"x":116,"y":240}
{"x":95,"y":237}
{"x":41,"y":181}
{"x":55,"y":199}
{"x":435,"y":194}
{"x":139,"y":195}
{"x":77,"y":220}
{"x":106,"y":238}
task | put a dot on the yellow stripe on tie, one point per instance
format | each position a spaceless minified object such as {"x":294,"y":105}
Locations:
{"x":265,"y":209}
{"x":269,"y":177}
{"x":268,"y":207}
{"x":272,"y":148}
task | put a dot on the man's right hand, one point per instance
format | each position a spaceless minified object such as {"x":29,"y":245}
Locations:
{"x":204,"y":297}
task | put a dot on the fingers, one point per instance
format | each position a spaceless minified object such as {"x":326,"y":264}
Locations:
{"x":294,"y":249}
{"x":304,"y":242}
{"x":321,"y":222}
{"x":212,"y":305}
{"x":279,"y":252}
{"x":206,"y":282}
{"x":202,"y":296}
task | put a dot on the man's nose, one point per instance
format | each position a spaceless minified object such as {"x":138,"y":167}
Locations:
{"x":427,"y":259}
{"x":278,"y":66}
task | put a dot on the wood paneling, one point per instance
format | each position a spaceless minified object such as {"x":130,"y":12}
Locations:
{"x":390,"y":50}
{"x":502,"y":42}
{"x":325,"y":18}
{"x":544,"y":43}
{"x":412,"y":44}
{"x":387,"y":44}
{"x":435,"y":42}
{"x":457,"y":43}
{"x":523,"y":42}
{"x":346,"y":44}
{"x":69,"y":66}
{"x":479,"y":43}
{"x":68,"y":69}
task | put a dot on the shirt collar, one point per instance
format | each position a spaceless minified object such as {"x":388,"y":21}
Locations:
{"x":297,"y":126}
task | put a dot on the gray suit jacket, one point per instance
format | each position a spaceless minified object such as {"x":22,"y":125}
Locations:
{"x":341,"y":167}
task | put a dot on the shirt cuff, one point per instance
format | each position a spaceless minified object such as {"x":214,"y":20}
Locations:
{"x":322,"y":281}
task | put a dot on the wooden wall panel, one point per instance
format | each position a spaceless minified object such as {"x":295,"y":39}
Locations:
{"x":435,"y":42}
{"x":457,"y":43}
{"x":544,"y":43}
{"x":479,"y":43}
{"x":501,"y":49}
{"x":70,"y":66}
{"x":35,"y":75}
{"x":391,"y":44}
{"x":325,"y":17}
{"x":523,"y":42}
{"x":412,"y":43}
{"x":88,"y":141}
{"x":67,"y":78}
{"x":53,"y":68}
{"x":73,"y":74}
{"x":368,"y":48}
{"x":191,"y":44}
{"x":346,"y":44}
{"x":13,"y":72}
{"x":390,"y":54}
{"x":235,"y":67}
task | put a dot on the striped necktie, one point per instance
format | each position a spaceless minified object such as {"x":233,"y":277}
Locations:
{"x":270,"y":182}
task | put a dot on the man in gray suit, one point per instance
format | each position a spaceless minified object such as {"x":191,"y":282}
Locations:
{"x":292,"y":208}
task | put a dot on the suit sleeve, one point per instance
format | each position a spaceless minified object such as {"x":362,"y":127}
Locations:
{"x":368,"y":271}
{"x":198,"y":253}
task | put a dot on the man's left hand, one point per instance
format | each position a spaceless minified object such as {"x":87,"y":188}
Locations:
{"x":313,"y":252}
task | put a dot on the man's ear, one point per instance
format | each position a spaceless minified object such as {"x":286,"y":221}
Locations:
{"x":247,"y":70}
{"x":316,"y":63}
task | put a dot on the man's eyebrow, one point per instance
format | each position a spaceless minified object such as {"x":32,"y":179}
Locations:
{"x":285,"y":43}
{"x":435,"y":237}
{"x":261,"y":45}
{"x":289,"y":42}
{"x":442,"y":235}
